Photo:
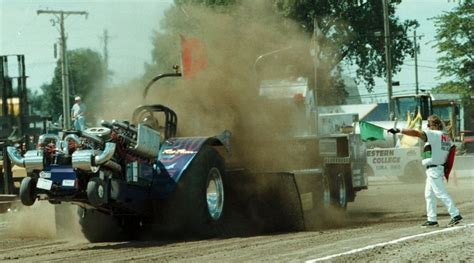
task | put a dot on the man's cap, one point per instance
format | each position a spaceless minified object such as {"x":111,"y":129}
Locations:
{"x":77,"y":98}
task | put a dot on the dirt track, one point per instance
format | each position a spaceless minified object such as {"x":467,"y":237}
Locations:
{"x":387,"y":211}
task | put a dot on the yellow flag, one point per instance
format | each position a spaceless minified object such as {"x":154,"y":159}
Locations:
{"x":410,"y":141}
{"x":408,"y":119}
{"x":419,"y":120}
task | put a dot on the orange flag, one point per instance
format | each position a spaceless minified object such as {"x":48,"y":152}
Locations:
{"x":193,"y":56}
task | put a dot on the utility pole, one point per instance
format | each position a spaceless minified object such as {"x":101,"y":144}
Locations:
{"x":416,"y":62}
{"x":106,"y":52}
{"x":106,"y":38}
{"x":416,"y":49}
{"x":316,"y":61}
{"x":60,"y":16}
{"x":388,"y":56}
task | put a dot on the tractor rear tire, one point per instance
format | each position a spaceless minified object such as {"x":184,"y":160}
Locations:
{"x":99,"y":227}
{"x":197,"y":205}
{"x":27,"y":191}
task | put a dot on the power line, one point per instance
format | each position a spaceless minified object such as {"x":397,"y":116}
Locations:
{"x":388,"y":56}
{"x":60,"y":16}
{"x":421,"y":66}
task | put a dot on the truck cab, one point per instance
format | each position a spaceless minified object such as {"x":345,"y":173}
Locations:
{"x":447,"y":106}
{"x":402,"y":154}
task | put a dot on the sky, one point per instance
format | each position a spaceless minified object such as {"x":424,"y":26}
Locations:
{"x":130,"y":24}
{"x":422,"y":11}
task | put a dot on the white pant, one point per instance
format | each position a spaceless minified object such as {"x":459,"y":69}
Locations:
{"x":435,"y":188}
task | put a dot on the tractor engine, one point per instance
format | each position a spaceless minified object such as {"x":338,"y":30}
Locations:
{"x":97,"y":154}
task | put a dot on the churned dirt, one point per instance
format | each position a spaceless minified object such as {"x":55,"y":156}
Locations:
{"x":389,"y":210}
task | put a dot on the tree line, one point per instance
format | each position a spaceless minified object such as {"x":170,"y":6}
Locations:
{"x":349,"y":34}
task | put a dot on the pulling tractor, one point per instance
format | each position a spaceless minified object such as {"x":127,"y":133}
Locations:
{"x":125,"y":175}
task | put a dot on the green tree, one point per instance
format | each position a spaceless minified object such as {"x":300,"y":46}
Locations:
{"x":35,"y":100}
{"x":353,"y":32}
{"x":455,"y":43}
{"x":86,"y":78}
{"x":452,"y":87}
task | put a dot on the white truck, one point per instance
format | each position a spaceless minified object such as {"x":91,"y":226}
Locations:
{"x":400,"y":156}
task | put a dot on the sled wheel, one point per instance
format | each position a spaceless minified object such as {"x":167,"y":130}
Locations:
{"x":342,"y":191}
{"x":197,"y":205}
{"x":326,"y":189}
{"x":99,"y":227}
{"x":27,"y":191}
{"x":334,"y":191}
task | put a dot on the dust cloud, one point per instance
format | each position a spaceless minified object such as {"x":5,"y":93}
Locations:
{"x":36,"y":221}
{"x":225,"y":95}
{"x":43,"y":220}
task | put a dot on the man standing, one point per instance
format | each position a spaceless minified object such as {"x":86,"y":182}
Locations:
{"x":77,"y":114}
{"x":438,"y":144}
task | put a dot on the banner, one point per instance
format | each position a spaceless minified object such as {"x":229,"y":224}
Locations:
{"x":193,"y":55}
{"x":371,"y":132}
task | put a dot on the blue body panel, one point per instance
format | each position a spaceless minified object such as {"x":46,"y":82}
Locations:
{"x":174,"y":158}
{"x":60,"y":173}
{"x":177,"y":153}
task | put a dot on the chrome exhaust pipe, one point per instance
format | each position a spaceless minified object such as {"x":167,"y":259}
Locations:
{"x":106,"y":154}
{"x":15,"y":156}
{"x":73,"y":137}
{"x":83,"y":159}
{"x":32,"y":159}
{"x":44,"y":137}
{"x":87,"y":160}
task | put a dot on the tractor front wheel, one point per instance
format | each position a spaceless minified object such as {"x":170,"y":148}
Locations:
{"x":96,"y":192}
{"x":27,"y":191}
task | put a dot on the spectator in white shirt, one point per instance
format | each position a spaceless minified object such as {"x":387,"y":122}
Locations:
{"x":77,"y":114}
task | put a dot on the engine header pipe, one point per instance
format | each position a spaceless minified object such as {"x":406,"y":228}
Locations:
{"x":106,"y":155}
{"x":50,"y":137}
{"x":69,"y":137}
{"x":15,"y":156}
